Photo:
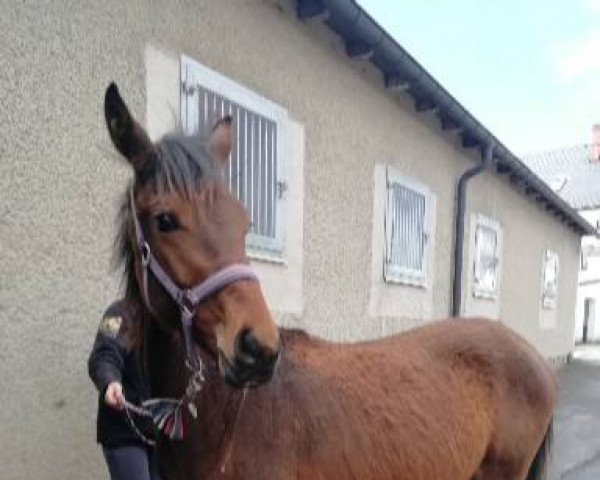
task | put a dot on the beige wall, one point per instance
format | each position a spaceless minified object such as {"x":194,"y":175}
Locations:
{"x":60,"y":183}
{"x":527,"y":231}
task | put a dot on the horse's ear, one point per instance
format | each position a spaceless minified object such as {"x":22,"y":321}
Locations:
{"x":221,"y":139}
{"x":127,"y":135}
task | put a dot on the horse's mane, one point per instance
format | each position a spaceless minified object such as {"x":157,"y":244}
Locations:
{"x":179,"y":164}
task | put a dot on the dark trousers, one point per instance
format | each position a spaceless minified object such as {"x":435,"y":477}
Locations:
{"x":130,"y":463}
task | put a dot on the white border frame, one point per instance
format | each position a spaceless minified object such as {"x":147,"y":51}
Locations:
{"x":393,"y":273}
{"x":478,"y":291}
{"x":549,"y":302}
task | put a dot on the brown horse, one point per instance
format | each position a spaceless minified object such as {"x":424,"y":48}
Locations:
{"x":454,"y":400}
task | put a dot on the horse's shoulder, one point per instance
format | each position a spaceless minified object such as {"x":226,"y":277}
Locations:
{"x":292,"y":337}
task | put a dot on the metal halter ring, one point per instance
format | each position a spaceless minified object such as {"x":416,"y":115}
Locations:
{"x":145,"y":251}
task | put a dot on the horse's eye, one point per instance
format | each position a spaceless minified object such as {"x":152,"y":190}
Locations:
{"x":166,"y":222}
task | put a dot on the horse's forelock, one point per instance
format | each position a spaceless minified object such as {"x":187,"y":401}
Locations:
{"x":181,"y":163}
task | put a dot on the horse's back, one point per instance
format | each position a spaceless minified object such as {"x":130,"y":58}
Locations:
{"x":456,"y":396}
{"x":488,"y":347}
{"x":512,"y":385}
{"x":522,"y":390}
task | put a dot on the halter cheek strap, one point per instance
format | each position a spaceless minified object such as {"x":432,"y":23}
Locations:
{"x":186,"y":299}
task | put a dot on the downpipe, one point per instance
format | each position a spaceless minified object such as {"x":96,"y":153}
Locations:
{"x":459,"y":231}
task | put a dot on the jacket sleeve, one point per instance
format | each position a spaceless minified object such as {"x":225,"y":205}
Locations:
{"x":107,"y":359}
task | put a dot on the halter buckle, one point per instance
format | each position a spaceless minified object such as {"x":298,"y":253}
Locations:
{"x":145,"y":251}
{"x":186,"y":313}
{"x":186,"y":306}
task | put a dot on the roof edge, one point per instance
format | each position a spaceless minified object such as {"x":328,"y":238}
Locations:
{"x":364,"y":37}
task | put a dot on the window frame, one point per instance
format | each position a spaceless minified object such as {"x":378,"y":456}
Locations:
{"x":480,"y":291}
{"x":194,"y":74}
{"x":588,"y":252}
{"x":549,"y":299}
{"x":393,"y":273}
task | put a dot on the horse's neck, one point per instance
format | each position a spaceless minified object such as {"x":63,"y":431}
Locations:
{"x":283,"y":417}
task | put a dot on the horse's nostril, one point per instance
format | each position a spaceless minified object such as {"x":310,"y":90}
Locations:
{"x":249,"y":345}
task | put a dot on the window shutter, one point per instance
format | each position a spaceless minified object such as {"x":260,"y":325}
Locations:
{"x":252,"y":172}
{"x":406,"y":230}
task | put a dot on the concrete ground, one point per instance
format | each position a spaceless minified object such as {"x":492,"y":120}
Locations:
{"x":576,"y":448}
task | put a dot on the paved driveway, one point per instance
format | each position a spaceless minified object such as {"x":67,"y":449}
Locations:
{"x":576,"y":449}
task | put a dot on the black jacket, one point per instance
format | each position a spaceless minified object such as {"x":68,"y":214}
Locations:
{"x":113,"y":359}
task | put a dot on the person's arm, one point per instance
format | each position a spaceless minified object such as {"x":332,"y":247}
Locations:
{"x":107,"y":358}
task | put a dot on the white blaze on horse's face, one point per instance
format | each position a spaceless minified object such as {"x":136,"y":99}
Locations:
{"x":195,"y":227}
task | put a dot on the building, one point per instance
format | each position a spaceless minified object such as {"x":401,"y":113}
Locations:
{"x":360,"y":154}
{"x":574,"y":173}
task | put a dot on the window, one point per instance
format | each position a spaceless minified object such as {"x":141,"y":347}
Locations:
{"x":406,"y":230}
{"x":255,"y":173}
{"x":589,"y":318}
{"x":584,"y":258}
{"x":486,"y":259}
{"x":550,"y":279}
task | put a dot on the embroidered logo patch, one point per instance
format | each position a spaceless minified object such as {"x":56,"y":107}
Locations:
{"x":110,"y":326}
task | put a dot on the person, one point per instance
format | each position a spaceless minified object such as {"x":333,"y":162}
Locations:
{"x":115,"y":367}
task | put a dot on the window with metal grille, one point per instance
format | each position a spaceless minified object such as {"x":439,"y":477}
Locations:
{"x":406,"y":230}
{"x":486,"y":257}
{"x":550,"y":279}
{"x":254,"y":172}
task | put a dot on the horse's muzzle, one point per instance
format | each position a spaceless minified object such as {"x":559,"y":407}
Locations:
{"x":253,"y":364}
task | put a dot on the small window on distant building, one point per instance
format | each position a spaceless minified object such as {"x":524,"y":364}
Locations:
{"x":406,"y":230}
{"x":550,"y":279}
{"x":486,"y":260}
{"x":584,"y":259}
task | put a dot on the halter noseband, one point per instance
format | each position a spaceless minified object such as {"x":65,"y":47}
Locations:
{"x":186,"y":299}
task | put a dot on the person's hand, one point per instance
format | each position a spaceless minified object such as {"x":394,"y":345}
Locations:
{"x":114,"y":396}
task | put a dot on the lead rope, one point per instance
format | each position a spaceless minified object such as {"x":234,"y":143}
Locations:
{"x":231,"y":440}
{"x":130,"y":407}
{"x":142,"y":412}
{"x":167,"y":413}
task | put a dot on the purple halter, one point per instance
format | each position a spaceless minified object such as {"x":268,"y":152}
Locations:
{"x":186,"y":299}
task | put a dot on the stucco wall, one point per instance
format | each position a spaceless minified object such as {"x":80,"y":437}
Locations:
{"x":60,"y":183}
{"x":527,"y":231}
{"x":59,"y":190}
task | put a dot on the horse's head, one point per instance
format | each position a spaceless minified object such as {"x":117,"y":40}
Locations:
{"x":194,"y":228}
